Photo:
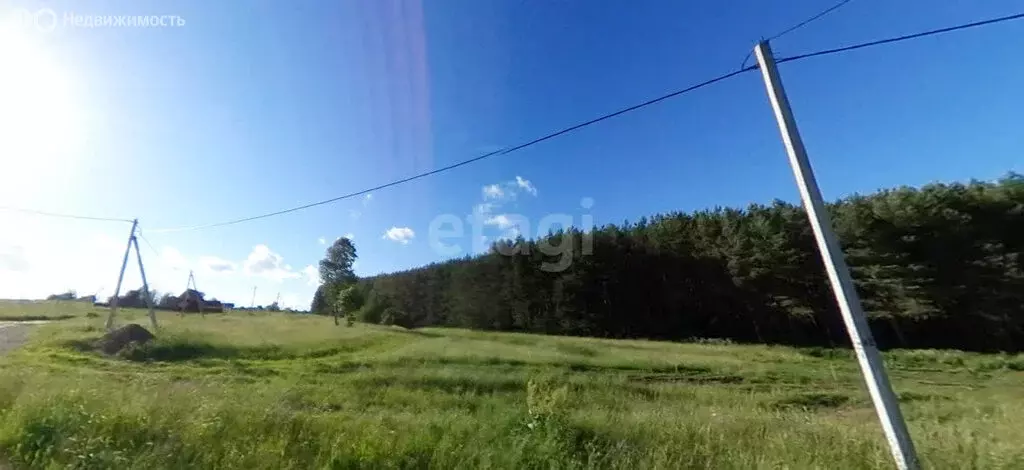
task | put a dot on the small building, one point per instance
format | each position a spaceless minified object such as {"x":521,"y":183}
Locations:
{"x":192,"y":301}
{"x":214,"y":306}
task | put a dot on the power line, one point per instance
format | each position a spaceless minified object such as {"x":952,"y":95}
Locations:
{"x":808,"y":20}
{"x":150,"y":245}
{"x":902,"y":38}
{"x":471,"y":160}
{"x":798,"y":26}
{"x":606,"y":117}
{"x":64,"y":216}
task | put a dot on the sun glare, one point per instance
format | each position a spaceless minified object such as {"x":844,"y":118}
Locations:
{"x":39,"y":126}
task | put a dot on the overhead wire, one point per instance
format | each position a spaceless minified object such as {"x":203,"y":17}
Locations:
{"x":150,"y":245}
{"x":159,"y":259}
{"x":797,"y":26}
{"x":906,"y":37}
{"x":581,"y":125}
{"x":64,"y":216}
{"x":809,"y":20}
{"x":453,"y":166}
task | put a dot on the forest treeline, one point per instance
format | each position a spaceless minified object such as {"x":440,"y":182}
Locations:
{"x":937,"y":267}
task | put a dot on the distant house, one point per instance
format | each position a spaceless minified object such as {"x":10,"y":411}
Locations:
{"x":192,"y":301}
{"x":213,"y":306}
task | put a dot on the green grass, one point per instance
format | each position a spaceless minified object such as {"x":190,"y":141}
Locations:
{"x":277,"y":391}
{"x":22,"y":310}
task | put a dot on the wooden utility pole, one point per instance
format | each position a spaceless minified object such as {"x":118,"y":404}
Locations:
{"x":132,"y":242}
{"x":870,"y":360}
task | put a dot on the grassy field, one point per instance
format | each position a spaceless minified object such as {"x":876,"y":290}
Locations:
{"x":24,"y":310}
{"x":277,"y":392}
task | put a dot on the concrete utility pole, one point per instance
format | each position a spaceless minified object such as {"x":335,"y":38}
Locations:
{"x":191,"y":286}
{"x":145,"y":284}
{"x":871,"y":365}
{"x":132,"y":241}
{"x":120,"y":277}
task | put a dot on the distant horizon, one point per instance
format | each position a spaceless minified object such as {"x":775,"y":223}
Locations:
{"x":266,"y":108}
{"x":104,"y":296}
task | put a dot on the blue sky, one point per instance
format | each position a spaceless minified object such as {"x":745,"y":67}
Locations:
{"x":251,"y":107}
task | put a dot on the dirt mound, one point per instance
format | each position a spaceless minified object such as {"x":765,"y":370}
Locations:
{"x":114,"y":341}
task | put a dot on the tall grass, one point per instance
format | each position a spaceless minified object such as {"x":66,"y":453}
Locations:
{"x":279,"y":391}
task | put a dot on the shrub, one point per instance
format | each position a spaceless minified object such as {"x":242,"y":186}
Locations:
{"x":373,"y":309}
{"x":394,"y":316}
{"x":69,"y":295}
{"x":350,"y":299}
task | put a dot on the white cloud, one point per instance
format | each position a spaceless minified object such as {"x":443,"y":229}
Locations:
{"x":350,"y":236}
{"x":493,"y":191}
{"x":485,"y":208}
{"x":321,"y":240}
{"x":509,"y":223}
{"x":367,"y":199}
{"x":500,"y":220}
{"x":88,"y":261}
{"x":401,"y":235}
{"x":172,"y":258}
{"x":289,"y":300}
{"x":36,"y":263}
{"x":312,"y":275}
{"x":500,"y":193}
{"x":13,"y":258}
{"x":354,"y":214}
{"x":526,"y":185}
{"x":216,"y":265}
{"x":265,"y":263}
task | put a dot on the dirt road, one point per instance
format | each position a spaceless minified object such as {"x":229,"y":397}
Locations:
{"x":13,"y":334}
